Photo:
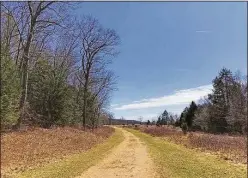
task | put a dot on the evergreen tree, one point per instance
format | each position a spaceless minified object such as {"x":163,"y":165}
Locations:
{"x":221,"y":100}
{"x":10,"y":92}
{"x":165,"y":118}
{"x":183,"y":116}
{"x":159,"y":121}
{"x":180,"y":121}
{"x":47,"y":94}
{"x":189,"y":116}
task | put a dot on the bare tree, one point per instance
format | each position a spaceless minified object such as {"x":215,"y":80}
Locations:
{"x":95,"y":44}
{"x":237,"y":115}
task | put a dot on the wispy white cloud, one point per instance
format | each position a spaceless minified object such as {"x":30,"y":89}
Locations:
{"x":179,"y":97}
{"x":203,"y":31}
{"x":114,"y":105}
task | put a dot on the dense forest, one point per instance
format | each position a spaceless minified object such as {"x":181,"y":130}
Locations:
{"x":222,"y":111}
{"x":54,"y":66}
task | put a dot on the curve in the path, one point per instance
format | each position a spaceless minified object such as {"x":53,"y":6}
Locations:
{"x":129,"y":159}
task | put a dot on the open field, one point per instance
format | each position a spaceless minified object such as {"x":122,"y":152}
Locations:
{"x":232,"y":148}
{"x":174,"y":160}
{"x":22,"y":151}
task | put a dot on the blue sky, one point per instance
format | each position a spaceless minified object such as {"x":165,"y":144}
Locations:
{"x":170,"y":51}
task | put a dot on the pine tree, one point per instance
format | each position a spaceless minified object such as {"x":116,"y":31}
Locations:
{"x":189,"y":116}
{"x":10,"y":93}
{"x":221,"y":100}
{"x":183,"y":116}
{"x":47,"y":94}
{"x":165,"y":118}
{"x":159,"y":121}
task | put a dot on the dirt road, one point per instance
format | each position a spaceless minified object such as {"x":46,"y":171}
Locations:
{"x":129,"y":159}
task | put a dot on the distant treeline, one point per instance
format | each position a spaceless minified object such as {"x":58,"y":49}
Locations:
{"x":222,"y":111}
{"x":123,"y":122}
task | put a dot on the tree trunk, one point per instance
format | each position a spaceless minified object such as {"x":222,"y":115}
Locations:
{"x":24,"y":88}
{"x":24,"y":76}
{"x":85,"y":106}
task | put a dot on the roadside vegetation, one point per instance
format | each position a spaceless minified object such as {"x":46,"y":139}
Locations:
{"x":60,"y":152}
{"x":232,"y":148}
{"x":174,"y":160}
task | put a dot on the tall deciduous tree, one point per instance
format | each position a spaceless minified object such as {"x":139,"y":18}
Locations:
{"x":237,"y":114}
{"x":96,"y":43}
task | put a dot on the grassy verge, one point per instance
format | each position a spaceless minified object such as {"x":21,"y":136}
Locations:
{"x":176,"y":161}
{"x":232,"y":148}
{"x":74,"y":165}
{"x":35,"y":147}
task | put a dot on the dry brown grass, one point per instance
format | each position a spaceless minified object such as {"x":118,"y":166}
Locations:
{"x":34,"y":147}
{"x":233,"y":148}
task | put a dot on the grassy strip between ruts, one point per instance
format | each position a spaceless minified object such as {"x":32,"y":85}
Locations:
{"x":76,"y":164}
{"x":176,"y":161}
